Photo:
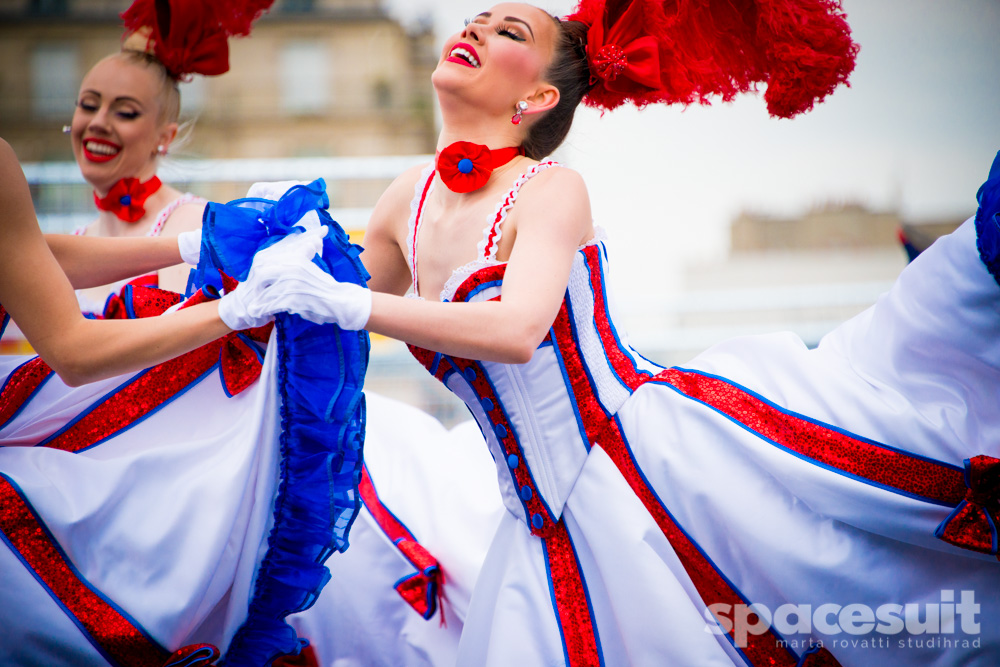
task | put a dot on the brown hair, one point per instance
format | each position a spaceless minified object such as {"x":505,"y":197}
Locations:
{"x":170,"y":94}
{"x":570,"y":73}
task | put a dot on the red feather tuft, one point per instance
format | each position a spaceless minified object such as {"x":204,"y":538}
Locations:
{"x":191,"y":36}
{"x":716,"y":49}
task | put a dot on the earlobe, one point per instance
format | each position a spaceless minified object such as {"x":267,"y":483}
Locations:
{"x":167,"y":136}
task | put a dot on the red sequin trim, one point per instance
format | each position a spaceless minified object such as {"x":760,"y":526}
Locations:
{"x":20,"y":386}
{"x":572,"y":605}
{"x":239,"y":367}
{"x":151,"y":389}
{"x":763,"y":649}
{"x":493,"y":273}
{"x":871,"y":461}
{"x":533,"y":506}
{"x":593,"y":414}
{"x":421,"y":590}
{"x":622,"y":364}
{"x":428,"y":360}
{"x":108,"y":629}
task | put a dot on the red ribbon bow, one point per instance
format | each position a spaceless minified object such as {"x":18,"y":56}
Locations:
{"x":624,"y":55}
{"x":193,"y":655}
{"x":973,"y":524}
{"x":465,"y":166}
{"x":126,"y":198}
{"x":239,"y":363}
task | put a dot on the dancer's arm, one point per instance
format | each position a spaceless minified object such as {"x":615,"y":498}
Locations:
{"x":91,"y":261}
{"x":553,"y":219}
{"x":40,"y":299}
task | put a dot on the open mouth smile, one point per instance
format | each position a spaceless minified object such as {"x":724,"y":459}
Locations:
{"x":464,"y":54}
{"x":98,"y":150}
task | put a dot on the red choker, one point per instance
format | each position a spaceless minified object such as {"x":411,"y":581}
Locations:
{"x":465,"y":166}
{"x":126,"y":197}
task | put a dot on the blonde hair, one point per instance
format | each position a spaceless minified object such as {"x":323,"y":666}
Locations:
{"x":170,"y":94}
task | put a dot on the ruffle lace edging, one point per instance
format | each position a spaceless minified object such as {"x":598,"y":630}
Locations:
{"x":988,"y":221}
{"x":321,"y":371}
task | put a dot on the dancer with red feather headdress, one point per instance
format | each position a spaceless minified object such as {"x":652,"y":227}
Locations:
{"x":753,"y":507}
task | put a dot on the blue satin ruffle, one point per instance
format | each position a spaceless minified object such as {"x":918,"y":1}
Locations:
{"x":321,"y":372}
{"x":988,"y":220}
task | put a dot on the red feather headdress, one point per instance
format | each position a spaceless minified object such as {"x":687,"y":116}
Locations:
{"x":191,"y":36}
{"x":686,"y":51}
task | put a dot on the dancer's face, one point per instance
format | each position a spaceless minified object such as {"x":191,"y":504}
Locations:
{"x":118,"y":123}
{"x":499,"y":57}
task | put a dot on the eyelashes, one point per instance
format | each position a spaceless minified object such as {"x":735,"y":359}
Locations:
{"x":502,"y":29}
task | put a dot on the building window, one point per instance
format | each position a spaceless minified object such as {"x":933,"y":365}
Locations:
{"x":54,"y":81}
{"x":293,"y":6}
{"x":47,"y":7}
{"x":304,"y":78}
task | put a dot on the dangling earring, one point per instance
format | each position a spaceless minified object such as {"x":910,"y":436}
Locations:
{"x":66,"y":129}
{"x":519,"y":108}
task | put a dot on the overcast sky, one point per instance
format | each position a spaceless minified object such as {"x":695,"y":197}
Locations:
{"x":916,"y":132}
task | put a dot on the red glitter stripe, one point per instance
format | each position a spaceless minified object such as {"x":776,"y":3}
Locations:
{"x":20,"y":386}
{"x":602,"y":430}
{"x":593,"y":414}
{"x":572,"y":606}
{"x":511,"y":447}
{"x":764,"y":649}
{"x":391,"y":526}
{"x":107,"y":628}
{"x":622,"y":364}
{"x":879,"y":464}
{"x":426,"y":359}
{"x":417,"y":590}
{"x":416,"y":228}
{"x":487,"y":274}
{"x":140,"y":397}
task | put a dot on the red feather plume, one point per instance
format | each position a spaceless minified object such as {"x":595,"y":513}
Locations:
{"x":191,"y":36}
{"x":688,"y":51}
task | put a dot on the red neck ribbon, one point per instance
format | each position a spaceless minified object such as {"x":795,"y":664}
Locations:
{"x":465,"y":166}
{"x":126,"y":198}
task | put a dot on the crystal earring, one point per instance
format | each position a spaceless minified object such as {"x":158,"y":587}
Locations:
{"x":519,"y":108}
{"x":66,"y":129}
{"x":161,"y":150}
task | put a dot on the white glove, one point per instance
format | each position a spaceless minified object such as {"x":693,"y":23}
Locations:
{"x":318,"y":297}
{"x":272,"y":190}
{"x":274,"y":270}
{"x":189,"y":243}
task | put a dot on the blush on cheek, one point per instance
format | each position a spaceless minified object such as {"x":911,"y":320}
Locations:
{"x":524,"y":64}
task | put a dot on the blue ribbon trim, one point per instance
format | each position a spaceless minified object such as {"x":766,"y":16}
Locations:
{"x":988,"y":220}
{"x":321,"y":371}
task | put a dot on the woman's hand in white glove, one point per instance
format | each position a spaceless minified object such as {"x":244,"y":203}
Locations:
{"x":275,"y":270}
{"x":318,"y":297}
{"x":189,"y":243}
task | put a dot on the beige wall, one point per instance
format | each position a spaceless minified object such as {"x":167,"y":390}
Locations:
{"x":371,"y":58}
